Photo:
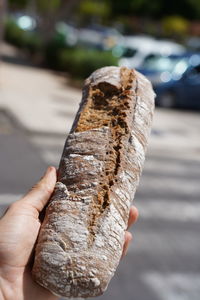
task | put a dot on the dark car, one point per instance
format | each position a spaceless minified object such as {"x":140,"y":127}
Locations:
{"x":176,"y":79}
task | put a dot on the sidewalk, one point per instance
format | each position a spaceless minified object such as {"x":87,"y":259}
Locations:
{"x":40,"y":100}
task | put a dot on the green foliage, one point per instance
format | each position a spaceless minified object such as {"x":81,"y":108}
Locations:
{"x":194,"y":9}
{"x":33,"y":42}
{"x":80,"y":63}
{"x":189,"y":9}
{"x":53,"y":50}
{"x":43,"y":6}
{"x":18,"y":3}
{"x":144,"y":7}
{"x":13,"y":34}
{"x":175,"y":26}
{"x":48,"y":6}
{"x":30,"y":41}
{"x":104,"y":8}
{"x":156,"y":8}
{"x":94,"y":8}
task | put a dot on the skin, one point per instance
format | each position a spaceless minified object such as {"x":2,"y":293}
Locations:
{"x":19,"y":229}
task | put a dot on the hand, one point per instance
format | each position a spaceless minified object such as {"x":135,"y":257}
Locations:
{"x":19,"y":229}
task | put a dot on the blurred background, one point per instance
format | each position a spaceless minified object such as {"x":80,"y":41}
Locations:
{"x":47,"y":48}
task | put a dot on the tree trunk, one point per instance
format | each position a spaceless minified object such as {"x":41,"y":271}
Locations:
{"x":67,"y":7}
{"x":2,"y":15}
{"x":48,"y":20}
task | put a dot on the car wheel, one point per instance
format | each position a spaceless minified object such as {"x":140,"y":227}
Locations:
{"x":167,"y":100}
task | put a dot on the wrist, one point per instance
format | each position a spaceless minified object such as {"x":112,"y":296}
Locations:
{"x":5,"y":291}
{"x":2,"y":289}
{"x":8,"y":289}
{"x":1,"y":294}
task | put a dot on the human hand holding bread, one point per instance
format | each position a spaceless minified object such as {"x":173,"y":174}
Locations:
{"x":19,"y":229}
{"x":83,"y":235}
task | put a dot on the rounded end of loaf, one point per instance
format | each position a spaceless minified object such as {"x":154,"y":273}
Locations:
{"x":79,"y":276}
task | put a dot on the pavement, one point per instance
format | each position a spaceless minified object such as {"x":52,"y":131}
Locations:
{"x":37,"y":108}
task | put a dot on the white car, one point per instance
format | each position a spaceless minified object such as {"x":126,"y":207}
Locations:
{"x":101,"y":37}
{"x":137,"y":48}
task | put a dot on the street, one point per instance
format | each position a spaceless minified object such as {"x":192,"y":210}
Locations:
{"x":37,"y":108}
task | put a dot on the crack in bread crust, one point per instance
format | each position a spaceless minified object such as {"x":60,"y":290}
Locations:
{"x":108,"y":106}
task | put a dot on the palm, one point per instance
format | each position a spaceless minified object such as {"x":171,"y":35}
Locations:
{"x":16,"y":246}
{"x":19,"y":235}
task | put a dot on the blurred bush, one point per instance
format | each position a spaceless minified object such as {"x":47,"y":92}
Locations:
{"x":80,"y":62}
{"x":175,"y":26}
{"x":13,"y":34}
{"x":26,"y":40}
{"x":52,"y":52}
{"x":93,"y":10}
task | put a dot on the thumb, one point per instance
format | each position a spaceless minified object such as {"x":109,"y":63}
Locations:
{"x":40,"y":193}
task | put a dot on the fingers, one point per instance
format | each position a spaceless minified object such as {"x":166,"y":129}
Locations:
{"x":128,"y":238}
{"x":39,"y":195}
{"x":133,"y":216}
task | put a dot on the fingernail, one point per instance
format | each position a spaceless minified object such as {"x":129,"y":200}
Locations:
{"x":49,"y":170}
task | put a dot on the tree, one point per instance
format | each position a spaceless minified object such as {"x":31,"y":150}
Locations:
{"x":175,"y":26}
{"x":52,"y":11}
{"x":157,"y":8}
{"x":2,"y":15}
{"x":94,"y":10}
{"x":49,"y":12}
{"x":17,"y":4}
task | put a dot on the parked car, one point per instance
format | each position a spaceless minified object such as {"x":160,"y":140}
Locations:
{"x":100,"y":37}
{"x":193,"y":43}
{"x":137,"y":48}
{"x":175,"y":78}
{"x":94,"y":36}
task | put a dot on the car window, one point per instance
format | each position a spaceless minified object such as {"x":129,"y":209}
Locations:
{"x":129,"y":52}
{"x":194,"y":72}
{"x":161,"y":64}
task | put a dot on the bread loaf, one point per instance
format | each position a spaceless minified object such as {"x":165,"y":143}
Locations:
{"x":82,"y":236}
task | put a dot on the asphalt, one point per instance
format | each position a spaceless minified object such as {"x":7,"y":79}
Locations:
{"x":37,"y":108}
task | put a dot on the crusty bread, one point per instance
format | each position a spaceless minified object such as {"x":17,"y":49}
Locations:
{"x":82,"y":236}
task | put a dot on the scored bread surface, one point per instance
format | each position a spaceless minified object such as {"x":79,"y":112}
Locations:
{"x":82,"y":236}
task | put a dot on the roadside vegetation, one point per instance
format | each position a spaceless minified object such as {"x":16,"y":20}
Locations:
{"x":66,"y":50}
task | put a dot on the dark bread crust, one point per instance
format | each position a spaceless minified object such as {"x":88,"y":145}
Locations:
{"x":82,"y":236}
